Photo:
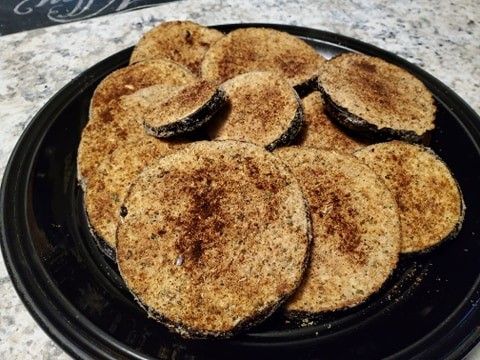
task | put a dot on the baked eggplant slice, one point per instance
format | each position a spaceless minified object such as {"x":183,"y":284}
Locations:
{"x":214,"y":238}
{"x":183,"y":42}
{"x":109,"y":184}
{"x":262,"y":108}
{"x":320,"y":132}
{"x":373,"y":97}
{"x":105,"y":129}
{"x":356,"y":230}
{"x":429,"y":198}
{"x":185,"y":111}
{"x":252,"y":49}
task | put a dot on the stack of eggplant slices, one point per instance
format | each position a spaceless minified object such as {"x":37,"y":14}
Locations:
{"x":235,"y":175}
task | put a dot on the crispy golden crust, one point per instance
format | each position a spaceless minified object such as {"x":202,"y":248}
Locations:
{"x":107,"y":124}
{"x":355,"y":225}
{"x":370,"y":95}
{"x":214,"y":237}
{"x":262,"y":108}
{"x":109,"y":184}
{"x":252,"y":49}
{"x":429,"y":199}
{"x":320,"y":132}
{"x":183,"y":42}
{"x":186,"y":110}
{"x":134,"y":106}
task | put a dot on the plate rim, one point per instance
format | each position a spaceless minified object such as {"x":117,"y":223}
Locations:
{"x":76,"y":345}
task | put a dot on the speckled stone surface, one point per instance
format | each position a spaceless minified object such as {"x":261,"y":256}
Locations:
{"x":440,"y":36}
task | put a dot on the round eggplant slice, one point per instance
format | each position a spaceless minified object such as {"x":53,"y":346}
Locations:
{"x":185,"y":111}
{"x":262,"y":108}
{"x":429,"y":198}
{"x":356,"y":230}
{"x":376,"y":98}
{"x":252,"y":49}
{"x":214,"y":238}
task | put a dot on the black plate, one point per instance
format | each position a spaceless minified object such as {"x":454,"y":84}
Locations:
{"x":427,"y":309}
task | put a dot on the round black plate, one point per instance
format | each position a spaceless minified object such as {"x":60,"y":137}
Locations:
{"x":427,"y":309}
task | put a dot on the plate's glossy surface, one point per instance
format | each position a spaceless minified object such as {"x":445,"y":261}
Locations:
{"x":427,"y":309}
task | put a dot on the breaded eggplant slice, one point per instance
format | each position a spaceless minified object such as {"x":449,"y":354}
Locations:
{"x":214,"y":238}
{"x":109,"y":184}
{"x":185,"y":111}
{"x":262,"y":108}
{"x":183,"y":42}
{"x":321,"y":133}
{"x":251,"y":49}
{"x":376,"y":98}
{"x":105,"y":128}
{"x":356,"y":230}
{"x":429,"y":198}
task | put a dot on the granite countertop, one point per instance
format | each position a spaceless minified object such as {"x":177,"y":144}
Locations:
{"x":441,"y":37}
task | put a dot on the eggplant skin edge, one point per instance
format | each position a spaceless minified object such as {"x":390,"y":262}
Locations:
{"x":293,"y":130}
{"x":193,"y":121}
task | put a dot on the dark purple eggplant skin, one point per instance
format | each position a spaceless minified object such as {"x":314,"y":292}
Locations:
{"x":192,"y":122}
{"x":293,"y":130}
